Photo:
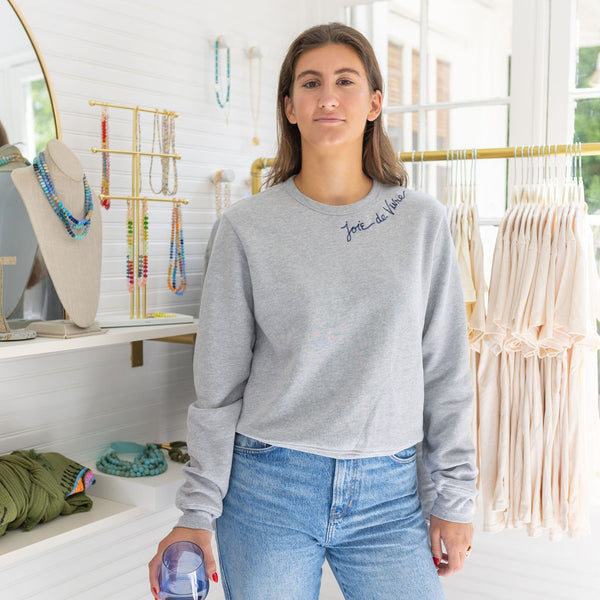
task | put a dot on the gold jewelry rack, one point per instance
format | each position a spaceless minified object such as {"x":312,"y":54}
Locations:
{"x":547,"y":150}
{"x":137,"y":300}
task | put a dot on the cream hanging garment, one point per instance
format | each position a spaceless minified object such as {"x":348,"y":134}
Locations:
{"x":538,"y":414}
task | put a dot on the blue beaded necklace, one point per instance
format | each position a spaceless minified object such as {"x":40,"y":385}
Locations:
{"x":149,"y":460}
{"x":224,"y":105}
{"x":9,"y":158}
{"x":76,"y":228}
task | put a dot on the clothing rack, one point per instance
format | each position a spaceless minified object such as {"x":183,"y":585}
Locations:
{"x":137,"y":296}
{"x":547,"y":150}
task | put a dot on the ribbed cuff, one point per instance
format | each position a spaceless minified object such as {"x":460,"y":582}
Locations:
{"x":458,"y":510}
{"x":196,"y":519}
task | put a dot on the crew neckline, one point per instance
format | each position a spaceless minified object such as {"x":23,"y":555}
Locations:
{"x":333,"y":209}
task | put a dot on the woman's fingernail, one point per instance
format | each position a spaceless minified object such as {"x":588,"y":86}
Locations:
{"x":436,"y":561}
{"x":215,"y":578}
{"x":155,"y":591}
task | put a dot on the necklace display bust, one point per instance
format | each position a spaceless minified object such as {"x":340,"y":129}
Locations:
{"x":73,"y":264}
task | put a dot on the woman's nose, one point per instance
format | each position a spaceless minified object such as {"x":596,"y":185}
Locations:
{"x":328,"y":98}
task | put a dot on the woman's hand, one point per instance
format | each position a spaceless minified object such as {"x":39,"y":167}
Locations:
{"x":200,"y":537}
{"x":457,"y":538}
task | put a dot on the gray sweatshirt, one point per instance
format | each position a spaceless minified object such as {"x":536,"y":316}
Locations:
{"x":335,"y":330}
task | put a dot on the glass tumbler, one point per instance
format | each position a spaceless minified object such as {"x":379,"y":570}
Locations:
{"x":182,"y":573}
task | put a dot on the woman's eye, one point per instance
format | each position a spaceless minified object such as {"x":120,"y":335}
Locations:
{"x":345,"y":82}
{"x":310,"y":84}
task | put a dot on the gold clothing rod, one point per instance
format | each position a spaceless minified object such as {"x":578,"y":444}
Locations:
{"x":136,"y":152}
{"x":547,"y":150}
{"x":124,"y":106}
{"x":175,"y":200}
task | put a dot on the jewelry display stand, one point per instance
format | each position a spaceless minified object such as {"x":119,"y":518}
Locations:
{"x":136,"y":204}
{"x":73,"y":259}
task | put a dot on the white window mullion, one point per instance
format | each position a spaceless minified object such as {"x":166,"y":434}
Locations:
{"x":563,"y":46}
{"x":528,"y":106}
{"x":423,"y":74}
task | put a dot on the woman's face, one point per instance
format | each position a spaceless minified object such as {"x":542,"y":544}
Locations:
{"x":331,"y":100}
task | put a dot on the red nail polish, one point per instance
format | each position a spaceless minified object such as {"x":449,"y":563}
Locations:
{"x":215,"y":578}
{"x":155,"y":591}
{"x":436,"y":561}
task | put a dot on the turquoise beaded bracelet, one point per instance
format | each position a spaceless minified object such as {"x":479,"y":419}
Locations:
{"x":149,"y":460}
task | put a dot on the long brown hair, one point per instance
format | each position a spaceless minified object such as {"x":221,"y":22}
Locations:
{"x":378,"y":158}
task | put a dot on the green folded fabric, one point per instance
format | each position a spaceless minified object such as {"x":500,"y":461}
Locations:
{"x":35,"y":488}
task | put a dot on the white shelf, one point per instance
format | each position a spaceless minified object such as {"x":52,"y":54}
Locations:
{"x":114,"y":335}
{"x":17,"y":545}
{"x":117,"y":500}
{"x":155,"y":493}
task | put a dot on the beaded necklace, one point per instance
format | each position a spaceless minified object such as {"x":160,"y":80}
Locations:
{"x":224,"y":105}
{"x":143,"y":225}
{"x":105,"y":185}
{"x":130,"y":248}
{"x":165,"y":135}
{"x":176,"y":253}
{"x":77,"y":228}
{"x":143,"y":257}
{"x":222,"y":193}
{"x":149,"y":460}
{"x":255,"y":107}
{"x":10,"y":158}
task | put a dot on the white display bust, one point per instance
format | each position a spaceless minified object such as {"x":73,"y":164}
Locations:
{"x":74,"y":265}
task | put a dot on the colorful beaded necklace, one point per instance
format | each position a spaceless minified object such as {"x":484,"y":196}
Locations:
{"x":143,"y":256}
{"x":105,"y":185}
{"x":142,"y":275}
{"x":77,"y":228}
{"x":224,"y":105}
{"x":130,"y":248}
{"x":149,"y":460}
{"x":176,"y":253}
{"x":10,"y":158}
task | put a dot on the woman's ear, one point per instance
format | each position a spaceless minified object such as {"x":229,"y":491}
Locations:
{"x":376,"y":102}
{"x":289,"y":110}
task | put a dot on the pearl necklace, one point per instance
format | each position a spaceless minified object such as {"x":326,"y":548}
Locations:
{"x":177,"y":253}
{"x":222,"y":193}
{"x":77,"y":228}
{"x":149,"y":460}
{"x":224,"y":105}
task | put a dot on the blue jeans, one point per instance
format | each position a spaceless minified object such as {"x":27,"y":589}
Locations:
{"x":287,"y":511}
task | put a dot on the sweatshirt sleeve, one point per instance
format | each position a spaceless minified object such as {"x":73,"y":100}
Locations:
{"x":447,"y":449}
{"x":222,"y":360}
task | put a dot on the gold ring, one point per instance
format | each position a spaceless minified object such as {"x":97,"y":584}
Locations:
{"x":468,"y":552}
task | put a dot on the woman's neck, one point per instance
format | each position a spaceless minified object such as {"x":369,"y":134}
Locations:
{"x":332,"y":179}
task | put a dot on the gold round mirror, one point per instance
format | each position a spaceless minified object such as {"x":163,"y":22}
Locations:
{"x":28,"y":119}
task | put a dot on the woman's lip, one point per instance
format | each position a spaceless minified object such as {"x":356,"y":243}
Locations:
{"x":329,"y":119}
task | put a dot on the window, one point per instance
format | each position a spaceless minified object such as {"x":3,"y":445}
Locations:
{"x":447,"y":66}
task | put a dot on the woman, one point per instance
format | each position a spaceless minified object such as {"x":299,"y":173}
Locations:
{"x":331,"y":340}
